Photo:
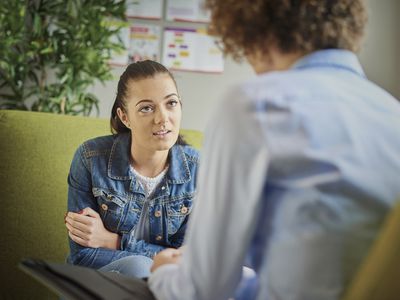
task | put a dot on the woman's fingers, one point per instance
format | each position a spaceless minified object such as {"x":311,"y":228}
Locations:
{"x":79,"y":218}
{"x":87,"y":211}
{"x":88,"y":227}
{"x":77,"y":232}
{"x":78,"y":225}
{"x":167,"y":256}
{"x":78,"y":239}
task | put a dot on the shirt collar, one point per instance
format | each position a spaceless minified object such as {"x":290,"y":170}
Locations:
{"x":118,"y":164}
{"x":336,"y":58}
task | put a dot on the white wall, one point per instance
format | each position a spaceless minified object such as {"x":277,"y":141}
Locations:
{"x":380,"y":57}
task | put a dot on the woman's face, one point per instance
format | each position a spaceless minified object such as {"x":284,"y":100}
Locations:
{"x":153,"y":112}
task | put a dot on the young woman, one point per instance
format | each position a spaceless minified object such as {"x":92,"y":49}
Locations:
{"x":130,"y":193}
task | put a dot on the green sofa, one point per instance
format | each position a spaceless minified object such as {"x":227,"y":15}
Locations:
{"x":36,"y":151}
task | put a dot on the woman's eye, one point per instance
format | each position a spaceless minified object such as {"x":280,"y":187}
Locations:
{"x":146,"y":109}
{"x":172,"y":102}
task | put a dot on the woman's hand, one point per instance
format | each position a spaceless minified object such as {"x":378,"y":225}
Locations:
{"x":167,"y":256}
{"x":86,"y":228}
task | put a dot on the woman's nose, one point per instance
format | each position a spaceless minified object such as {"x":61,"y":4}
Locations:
{"x":161,"y":116}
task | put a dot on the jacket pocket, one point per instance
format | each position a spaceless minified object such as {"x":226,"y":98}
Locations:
{"x":111,"y":208}
{"x":177,"y":212}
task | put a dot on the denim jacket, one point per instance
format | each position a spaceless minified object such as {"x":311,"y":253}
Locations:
{"x":100,"y":178}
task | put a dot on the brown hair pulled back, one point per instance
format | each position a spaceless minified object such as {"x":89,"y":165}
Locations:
{"x":134,"y":72}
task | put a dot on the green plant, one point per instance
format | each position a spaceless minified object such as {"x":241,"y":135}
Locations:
{"x":51,"y":51}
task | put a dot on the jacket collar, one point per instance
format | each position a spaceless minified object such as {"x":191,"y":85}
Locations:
{"x":178,"y":171}
{"x":118,"y":164}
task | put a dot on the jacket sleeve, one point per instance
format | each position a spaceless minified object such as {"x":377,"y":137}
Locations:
{"x":80,"y":196}
{"x":139,"y":247}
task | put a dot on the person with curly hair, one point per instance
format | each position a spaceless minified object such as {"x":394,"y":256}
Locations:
{"x":300,"y":165}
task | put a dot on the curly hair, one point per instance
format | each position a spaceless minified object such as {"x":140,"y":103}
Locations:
{"x":290,"y":25}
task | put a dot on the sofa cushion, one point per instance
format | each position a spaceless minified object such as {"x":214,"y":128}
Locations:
{"x":378,"y":276}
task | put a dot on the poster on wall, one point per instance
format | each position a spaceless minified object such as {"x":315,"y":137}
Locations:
{"x":145,"y":9}
{"x":144,"y":42}
{"x":121,"y":58}
{"x":187,"y":10}
{"x":191,"y":50}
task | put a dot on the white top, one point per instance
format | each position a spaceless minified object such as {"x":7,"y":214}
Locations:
{"x":142,"y":230}
{"x":149,"y":183}
{"x":298,"y":170}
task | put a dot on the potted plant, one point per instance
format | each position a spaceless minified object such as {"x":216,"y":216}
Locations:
{"x":51,"y":51}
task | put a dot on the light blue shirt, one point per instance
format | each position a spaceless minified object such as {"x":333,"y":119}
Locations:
{"x":299,"y":169}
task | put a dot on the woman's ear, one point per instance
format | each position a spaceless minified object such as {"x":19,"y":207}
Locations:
{"x":123,"y":117}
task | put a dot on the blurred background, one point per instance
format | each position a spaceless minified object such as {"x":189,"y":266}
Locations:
{"x":380,"y":58}
{"x":71,"y":75}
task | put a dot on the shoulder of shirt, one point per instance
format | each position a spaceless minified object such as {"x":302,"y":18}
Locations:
{"x":190,"y":153}
{"x":281,"y":85}
{"x":242,"y":101}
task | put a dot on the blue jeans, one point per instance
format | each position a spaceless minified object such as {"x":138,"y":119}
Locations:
{"x":137,"y":266}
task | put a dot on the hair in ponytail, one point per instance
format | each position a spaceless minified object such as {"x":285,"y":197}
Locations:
{"x":134,"y":72}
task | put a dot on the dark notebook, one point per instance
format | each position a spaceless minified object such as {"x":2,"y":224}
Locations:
{"x":80,"y":283}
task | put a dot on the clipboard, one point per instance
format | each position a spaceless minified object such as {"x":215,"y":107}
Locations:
{"x":81,"y":283}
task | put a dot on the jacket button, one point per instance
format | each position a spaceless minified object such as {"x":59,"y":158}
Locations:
{"x":158,"y":238}
{"x":104,"y":206}
{"x":163,"y":188}
{"x":109,"y":197}
{"x":157,"y":213}
{"x":184,"y":210}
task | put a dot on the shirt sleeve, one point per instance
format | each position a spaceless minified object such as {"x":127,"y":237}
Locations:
{"x":231,"y":178}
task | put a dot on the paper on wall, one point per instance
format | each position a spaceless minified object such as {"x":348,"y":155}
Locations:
{"x":144,"y":42}
{"x":146,"y":9}
{"x":187,"y":10}
{"x":191,"y":50}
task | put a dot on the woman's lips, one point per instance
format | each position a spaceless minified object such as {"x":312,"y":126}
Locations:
{"x":161,"y":133}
